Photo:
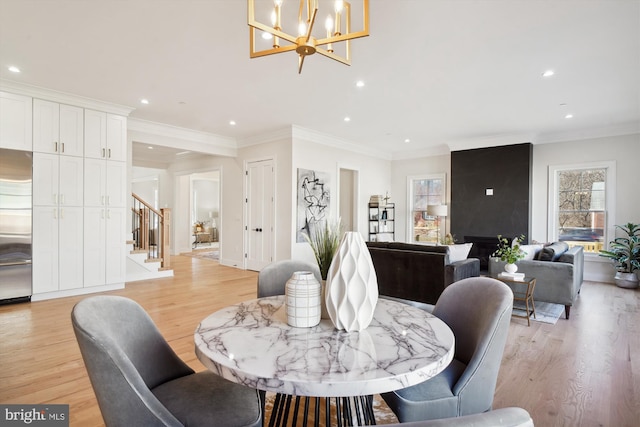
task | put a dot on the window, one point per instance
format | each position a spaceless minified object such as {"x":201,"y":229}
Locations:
{"x":423,"y":191}
{"x":581,"y":204}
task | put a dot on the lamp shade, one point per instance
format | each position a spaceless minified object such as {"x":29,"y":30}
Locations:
{"x":437,"y":210}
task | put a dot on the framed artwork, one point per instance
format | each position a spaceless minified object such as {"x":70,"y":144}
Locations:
{"x":313,"y":201}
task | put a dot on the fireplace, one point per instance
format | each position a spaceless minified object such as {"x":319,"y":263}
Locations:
{"x":482,"y":249}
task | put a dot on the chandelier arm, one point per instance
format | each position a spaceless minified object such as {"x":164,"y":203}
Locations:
{"x":313,"y":21}
{"x":300,"y":63}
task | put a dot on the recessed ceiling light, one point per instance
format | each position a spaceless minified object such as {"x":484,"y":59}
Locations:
{"x":232,"y":122}
{"x":144,"y":101}
{"x":548,"y":73}
{"x":347,"y":119}
{"x":150,"y":147}
{"x":407,"y":140}
{"x":267,"y":36}
{"x":360,"y":83}
{"x":14,"y":69}
{"x":568,"y":116}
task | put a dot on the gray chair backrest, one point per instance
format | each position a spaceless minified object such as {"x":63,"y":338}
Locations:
{"x":478,"y":311}
{"x":125,"y":356}
{"x":273,"y":278}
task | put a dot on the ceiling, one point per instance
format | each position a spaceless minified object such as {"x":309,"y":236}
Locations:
{"x":443,"y":74}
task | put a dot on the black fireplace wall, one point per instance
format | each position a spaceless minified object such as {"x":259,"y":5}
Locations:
{"x":491,"y":195}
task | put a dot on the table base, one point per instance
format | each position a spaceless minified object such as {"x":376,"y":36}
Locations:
{"x":348,"y":411}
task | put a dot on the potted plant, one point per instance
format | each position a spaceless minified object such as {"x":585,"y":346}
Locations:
{"x":509,"y":252}
{"x":625,"y":253}
{"x":324,"y":240}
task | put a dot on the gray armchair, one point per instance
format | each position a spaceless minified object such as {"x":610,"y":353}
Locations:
{"x":140,"y":381}
{"x":273,"y":278}
{"x":478,"y":310}
{"x":504,"y":417}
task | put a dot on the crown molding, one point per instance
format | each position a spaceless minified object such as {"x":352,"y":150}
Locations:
{"x":284,"y":133}
{"x":63,"y":97}
{"x":628,"y":128}
{"x":335,"y":142}
{"x":172,"y":136}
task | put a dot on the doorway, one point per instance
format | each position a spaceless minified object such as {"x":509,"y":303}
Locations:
{"x":205,"y":209}
{"x":348,"y":202}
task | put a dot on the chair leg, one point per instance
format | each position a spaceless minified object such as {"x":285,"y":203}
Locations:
{"x":567,"y":309}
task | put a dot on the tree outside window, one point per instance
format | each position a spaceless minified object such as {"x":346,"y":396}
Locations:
{"x":581,"y":214}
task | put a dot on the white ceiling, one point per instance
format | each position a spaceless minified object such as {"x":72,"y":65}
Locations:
{"x":446,"y":74}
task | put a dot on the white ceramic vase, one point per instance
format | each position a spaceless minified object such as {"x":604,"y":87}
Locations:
{"x":351,"y":293}
{"x":302,"y":299}
{"x":510,"y":268}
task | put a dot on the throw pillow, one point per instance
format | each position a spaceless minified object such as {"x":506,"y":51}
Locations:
{"x":553,"y":251}
{"x":530,"y":251}
{"x":459,"y":252}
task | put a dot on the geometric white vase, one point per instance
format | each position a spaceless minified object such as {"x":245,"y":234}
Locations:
{"x":302,"y":300}
{"x":351,"y":293}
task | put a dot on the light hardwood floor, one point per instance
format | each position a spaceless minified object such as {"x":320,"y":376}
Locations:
{"x":584,"y":371}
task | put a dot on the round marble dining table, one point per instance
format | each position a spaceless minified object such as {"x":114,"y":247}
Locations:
{"x":250,"y":343}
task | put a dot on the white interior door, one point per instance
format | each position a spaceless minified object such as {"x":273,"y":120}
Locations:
{"x":260,"y":213}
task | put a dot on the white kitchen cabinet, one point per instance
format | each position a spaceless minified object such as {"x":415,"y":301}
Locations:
{"x":104,"y":242}
{"x":58,"y":128}
{"x":16,"y":121}
{"x":105,"y":136}
{"x":105,"y":183}
{"x":57,"y":248}
{"x":57,"y":180}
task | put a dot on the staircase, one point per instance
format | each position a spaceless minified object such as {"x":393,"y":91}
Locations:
{"x":148,"y":255}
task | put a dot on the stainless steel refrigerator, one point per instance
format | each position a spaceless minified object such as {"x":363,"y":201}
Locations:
{"x":16,"y":170}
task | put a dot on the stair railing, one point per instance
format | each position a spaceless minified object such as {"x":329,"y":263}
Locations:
{"x":151,"y":231}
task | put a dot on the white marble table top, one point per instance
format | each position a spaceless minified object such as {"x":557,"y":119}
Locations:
{"x":251,"y":343}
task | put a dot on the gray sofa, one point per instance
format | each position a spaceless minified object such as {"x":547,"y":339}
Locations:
{"x":558,"y":271}
{"x":417,"y":272}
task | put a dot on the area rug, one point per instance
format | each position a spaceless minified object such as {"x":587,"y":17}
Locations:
{"x":382,"y":412}
{"x":213,"y":255}
{"x":546,"y":312}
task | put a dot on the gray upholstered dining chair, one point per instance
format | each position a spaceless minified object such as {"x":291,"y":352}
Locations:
{"x":478,"y":310}
{"x":273,"y":278}
{"x":503,"y":417}
{"x":140,"y":381}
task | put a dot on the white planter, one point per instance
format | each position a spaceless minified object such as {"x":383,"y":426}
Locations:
{"x":626,"y":280}
{"x":352,"y":285}
{"x":302,"y":294}
{"x":510,"y":268}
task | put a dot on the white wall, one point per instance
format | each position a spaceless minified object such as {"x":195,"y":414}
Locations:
{"x":624,"y":151}
{"x":374,"y":178}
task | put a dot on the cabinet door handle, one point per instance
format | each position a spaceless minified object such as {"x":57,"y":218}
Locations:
{"x":62,"y":147}
{"x":104,"y":154}
{"x":109,"y":152}
{"x":108,"y":213}
{"x":61,"y":213}
{"x":108,"y":200}
{"x":62,"y":199}
{"x":55,"y":145}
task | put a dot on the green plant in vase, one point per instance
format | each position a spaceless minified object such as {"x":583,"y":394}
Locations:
{"x":510,"y":252}
{"x":324,"y":240}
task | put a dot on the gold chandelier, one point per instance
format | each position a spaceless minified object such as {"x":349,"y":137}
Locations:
{"x":337,"y":26}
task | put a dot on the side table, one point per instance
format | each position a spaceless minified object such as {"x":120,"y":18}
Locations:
{"x":523,"y":292}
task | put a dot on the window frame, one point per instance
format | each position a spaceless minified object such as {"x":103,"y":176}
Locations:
{"x":409,"y":217}
{"x":610,"y":198}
